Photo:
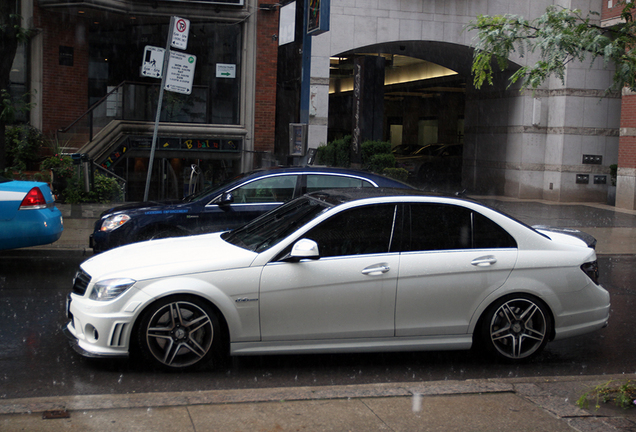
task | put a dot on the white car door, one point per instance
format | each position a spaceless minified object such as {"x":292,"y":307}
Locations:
{"x":349,"y":292}
{"x":453,"y":259}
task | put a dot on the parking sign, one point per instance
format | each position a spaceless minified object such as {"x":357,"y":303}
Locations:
{"x":180,"y":33}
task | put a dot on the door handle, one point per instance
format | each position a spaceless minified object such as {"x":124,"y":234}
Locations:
{"x":484,"y":261}
{"x":376,"y":269}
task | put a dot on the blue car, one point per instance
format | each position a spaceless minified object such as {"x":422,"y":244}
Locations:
{"x":28,"y":216}
{"x":224,"y":207}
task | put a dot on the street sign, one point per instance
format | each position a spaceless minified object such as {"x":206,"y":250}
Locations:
{"x":180,"y":33}
{"x":180,"y":74}
{"x":152,"y":65}
{"x":225,"y":70}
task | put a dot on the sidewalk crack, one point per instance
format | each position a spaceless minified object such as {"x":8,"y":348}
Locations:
{"x":376,"y":415}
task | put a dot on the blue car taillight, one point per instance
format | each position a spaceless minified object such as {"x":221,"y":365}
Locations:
{"x":591,"y":270}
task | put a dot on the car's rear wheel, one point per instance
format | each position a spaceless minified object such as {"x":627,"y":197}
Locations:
{"x":179,"y":333}
{"x":516,"y":328}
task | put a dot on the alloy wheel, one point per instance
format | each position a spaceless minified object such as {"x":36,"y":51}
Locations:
{"x":179,"y":334}
{"x":518,"y":328}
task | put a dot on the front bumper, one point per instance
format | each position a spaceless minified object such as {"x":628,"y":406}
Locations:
{"x":102,"y":329}
{"x":74,"y":342}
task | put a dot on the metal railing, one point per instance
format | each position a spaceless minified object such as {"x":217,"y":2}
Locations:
{"x":136,"y":102}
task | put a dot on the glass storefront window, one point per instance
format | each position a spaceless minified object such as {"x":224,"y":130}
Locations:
{"x":18,"y":87}
{"x":116,"y":55}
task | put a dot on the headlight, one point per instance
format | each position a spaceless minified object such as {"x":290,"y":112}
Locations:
{"x":114,"y":221}
{"x":110,"y":289}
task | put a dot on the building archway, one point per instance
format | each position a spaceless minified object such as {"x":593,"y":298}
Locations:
{"x":426,"y":88}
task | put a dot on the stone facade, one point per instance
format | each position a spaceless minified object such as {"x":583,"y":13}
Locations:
{"x":519,"y":145}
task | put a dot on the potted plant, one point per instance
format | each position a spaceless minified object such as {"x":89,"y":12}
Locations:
{"x":61,"y":167}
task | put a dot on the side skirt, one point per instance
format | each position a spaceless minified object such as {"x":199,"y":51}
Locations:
{"x":441,"y":343}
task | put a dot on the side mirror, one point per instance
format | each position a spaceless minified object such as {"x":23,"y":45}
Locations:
{"x":304,"y":249}
{"x":227,"y":198}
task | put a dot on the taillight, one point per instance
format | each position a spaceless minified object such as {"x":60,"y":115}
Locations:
{"x":591,"y":270}
{"x":34,"y":200}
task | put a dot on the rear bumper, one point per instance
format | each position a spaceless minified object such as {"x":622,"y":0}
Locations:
{"x":32,"y":228}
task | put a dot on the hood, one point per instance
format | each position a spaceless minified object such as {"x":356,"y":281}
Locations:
{"x":140,"y":206}
{"x":168,"y":257}
{"x":567,"y":235}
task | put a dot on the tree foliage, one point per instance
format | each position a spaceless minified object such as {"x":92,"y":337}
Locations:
{"x":558,"y":37}
{"x":11,"y":34}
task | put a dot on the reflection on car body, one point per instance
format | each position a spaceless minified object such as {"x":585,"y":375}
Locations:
{"x":220,"y":208}
{"x":433,"y":160}
{"x":28,"y":216}
{"x":340,"y":271}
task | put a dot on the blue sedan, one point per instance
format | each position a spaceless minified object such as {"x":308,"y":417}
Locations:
{"x":28,"y":216}
{"x":223,"y":207}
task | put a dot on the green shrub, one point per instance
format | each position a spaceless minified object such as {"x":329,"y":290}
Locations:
{"x":61,"y":164}
{"x":375,"y":155}
{"x":396,"y":173}
{"x":23,"y":144}
{"x":336,"y":153}
{"x":105,"y":190}
{"x":370,"y":148}
{"x":325,"y":155}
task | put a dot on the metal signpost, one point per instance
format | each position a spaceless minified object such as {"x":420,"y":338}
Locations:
{"x":176,"y":74}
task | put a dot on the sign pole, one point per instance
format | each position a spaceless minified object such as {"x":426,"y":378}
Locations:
{"x":166,"y":57}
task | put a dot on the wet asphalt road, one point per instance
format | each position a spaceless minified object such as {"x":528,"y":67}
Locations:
{"x":36,"y":360}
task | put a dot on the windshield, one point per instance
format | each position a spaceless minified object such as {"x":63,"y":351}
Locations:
{"x":272,"y":227}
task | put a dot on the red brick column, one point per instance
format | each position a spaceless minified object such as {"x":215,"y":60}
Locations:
{"x":64,"y":85}
{"x":266,"y":67}
{"x":626,"y":178}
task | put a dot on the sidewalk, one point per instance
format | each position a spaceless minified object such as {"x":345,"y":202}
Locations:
{"x":543,"y":404}
{"x":519,"y":404}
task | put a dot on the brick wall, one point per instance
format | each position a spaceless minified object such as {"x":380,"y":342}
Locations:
{"x":611,"y":9}
{"x":266,"y":66}
{"x":64,"y":87}
{"x":611,"y":12}
{"x":627,"y":140}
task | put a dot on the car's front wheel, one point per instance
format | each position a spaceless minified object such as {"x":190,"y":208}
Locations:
{"x":179,"y":333}
{"x":516,"y":328}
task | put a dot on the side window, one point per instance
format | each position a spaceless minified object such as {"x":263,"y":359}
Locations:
{"x":439,"y":227}
{"x":267,"y":190}
{"x":363,"y":230}
{"x":487,"y":234}
{"x":444,"y":227}
{"x":316,"y":182}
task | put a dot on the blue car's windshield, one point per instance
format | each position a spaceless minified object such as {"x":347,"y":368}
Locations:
{"x":270,"y":228}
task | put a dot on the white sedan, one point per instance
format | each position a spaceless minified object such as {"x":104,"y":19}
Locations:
{"x":349,"y":270}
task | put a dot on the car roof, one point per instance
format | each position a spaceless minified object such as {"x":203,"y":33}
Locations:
{"x":318,"y":169}
{"x":233,"y":182}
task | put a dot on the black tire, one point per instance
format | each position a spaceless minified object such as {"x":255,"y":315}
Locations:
{"x":516,"y":328}
{"x":179,"y":333}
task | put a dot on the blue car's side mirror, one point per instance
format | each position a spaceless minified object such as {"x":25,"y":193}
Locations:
{"x":227,"y":198}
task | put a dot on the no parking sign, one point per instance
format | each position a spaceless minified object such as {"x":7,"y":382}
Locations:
{"x":180,"y":33}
